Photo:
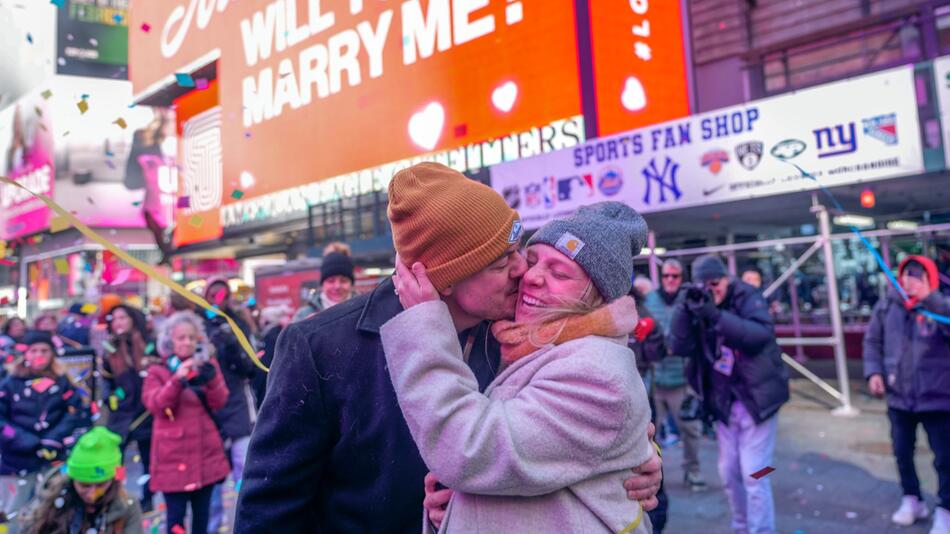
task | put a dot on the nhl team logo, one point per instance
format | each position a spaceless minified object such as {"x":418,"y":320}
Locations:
{"x":883,"y":128}
{"x":512,"y":196}
{"x":749,"y":154}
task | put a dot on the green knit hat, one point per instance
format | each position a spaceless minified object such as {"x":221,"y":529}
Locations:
{"x":95,"y":457}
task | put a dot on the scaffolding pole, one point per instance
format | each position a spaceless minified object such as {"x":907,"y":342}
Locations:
{"x":834,"y":312}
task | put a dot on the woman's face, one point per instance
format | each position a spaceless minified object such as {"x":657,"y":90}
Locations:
{"x":39,"y":356}
{"x":121,"y":321}
{"x":551,"y":278}
{"x":17,"y":328}
{"x":91,"y":493}
{"x":46,"y":322}
{"x":184,"y":340}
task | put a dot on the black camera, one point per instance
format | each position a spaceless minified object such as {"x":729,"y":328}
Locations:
{"x":696,"y":292}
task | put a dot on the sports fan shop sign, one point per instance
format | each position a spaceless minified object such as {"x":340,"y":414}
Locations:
{"x":847,"y":132}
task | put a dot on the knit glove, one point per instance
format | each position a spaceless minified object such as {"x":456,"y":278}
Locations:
{"x":704,"y":309}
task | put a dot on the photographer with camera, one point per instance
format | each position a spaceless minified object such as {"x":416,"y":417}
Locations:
{"x":724,"y":328}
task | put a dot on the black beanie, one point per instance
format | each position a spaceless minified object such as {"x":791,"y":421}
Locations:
{"x":39,"y":336}
{"x":708,"y":267}
{"x":336,"y":264}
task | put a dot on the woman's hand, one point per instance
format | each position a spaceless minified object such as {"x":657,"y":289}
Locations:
{"x":436,"y":500}
{"x":413,"y":285}
{"x":185,"y":369}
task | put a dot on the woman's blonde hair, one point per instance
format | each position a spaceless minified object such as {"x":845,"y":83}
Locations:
{"x":567,"y":307}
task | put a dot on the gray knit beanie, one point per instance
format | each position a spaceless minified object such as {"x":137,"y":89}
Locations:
{"x":602,"y":238}
{"x":708,"y":267}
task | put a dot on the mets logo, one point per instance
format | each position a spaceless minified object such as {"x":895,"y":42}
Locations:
{"x":749,"y":154}
{"x":715,"y":159}
{"x":610,"y":181}
{"x":882,"y":127}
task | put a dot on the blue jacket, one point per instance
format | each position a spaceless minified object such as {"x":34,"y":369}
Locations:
{"x":911,"y":352}
{"x":331,"y":451}
{"x":759,"y":378}
{"x":669,"y":372}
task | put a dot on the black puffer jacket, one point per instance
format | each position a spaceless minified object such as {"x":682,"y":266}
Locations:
{"x":237,"y":417}
{"x":40,"y":418}
{"x":126,"y":388}
{"x":759,"y":379}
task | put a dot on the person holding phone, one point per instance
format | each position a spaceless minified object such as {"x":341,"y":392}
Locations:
{"x":182,"y":393}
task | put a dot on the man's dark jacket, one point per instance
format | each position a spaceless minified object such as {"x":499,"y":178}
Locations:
{"x":759,"y":378}
{"x":331,"y":451}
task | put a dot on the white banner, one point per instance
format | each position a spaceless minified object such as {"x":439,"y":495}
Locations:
{"x":846,"y":132}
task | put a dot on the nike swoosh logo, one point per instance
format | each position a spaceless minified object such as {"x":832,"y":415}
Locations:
{"x":707,"y":192}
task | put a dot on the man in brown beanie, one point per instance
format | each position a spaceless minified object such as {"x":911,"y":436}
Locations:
{"x":331,"y":451}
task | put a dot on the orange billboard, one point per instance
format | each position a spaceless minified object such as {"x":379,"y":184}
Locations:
{"x":639,"y":63}
{"x":311,"y":90}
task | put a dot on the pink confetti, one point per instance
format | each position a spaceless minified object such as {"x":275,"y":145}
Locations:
{"x":201,"y":84}
{"x":146,"y":27}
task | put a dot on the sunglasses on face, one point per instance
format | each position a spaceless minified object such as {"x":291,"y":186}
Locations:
{"x":674,"y":276}
{"x":711,"y":284}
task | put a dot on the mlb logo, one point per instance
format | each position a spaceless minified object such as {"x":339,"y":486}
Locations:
{"x":749,"y":154}
{"x":569,"y":244}
{"x":575,"y":186}
{"x":882,"y":127}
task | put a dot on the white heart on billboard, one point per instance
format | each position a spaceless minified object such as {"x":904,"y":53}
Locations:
{"x":634,"y":98}
{"x":504,"y":96}
{"x":425,"y":127}
{"x":247,"y":180}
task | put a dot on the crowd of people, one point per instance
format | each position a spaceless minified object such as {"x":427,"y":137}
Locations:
{"x":485,"y":385}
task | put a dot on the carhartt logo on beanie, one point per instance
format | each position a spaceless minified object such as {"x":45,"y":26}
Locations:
{"x":451,"y":224}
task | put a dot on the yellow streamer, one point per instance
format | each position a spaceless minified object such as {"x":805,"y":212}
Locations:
{"x":145,"y":268}
{"x":636,"y":523}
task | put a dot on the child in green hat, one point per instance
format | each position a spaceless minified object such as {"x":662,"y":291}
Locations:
{"x":88,"y":496}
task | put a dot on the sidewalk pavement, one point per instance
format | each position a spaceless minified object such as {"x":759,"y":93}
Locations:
{"x":832,"y":474}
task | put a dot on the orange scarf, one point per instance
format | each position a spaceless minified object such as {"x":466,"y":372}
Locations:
{"x":518,"y":340}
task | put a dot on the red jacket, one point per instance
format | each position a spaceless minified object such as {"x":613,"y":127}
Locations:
{"x":187,"y":453}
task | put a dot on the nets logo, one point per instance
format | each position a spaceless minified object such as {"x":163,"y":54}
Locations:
{"x":749,"y":154}
{"x":882,"y":127}
{"x":610,"y":182}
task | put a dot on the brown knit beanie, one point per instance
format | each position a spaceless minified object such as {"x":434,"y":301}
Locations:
{"x":451,"y":224}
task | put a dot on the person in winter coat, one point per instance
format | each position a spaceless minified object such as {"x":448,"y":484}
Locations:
{"x":89,"y":495}
{"x":907,"y":359}
{"x":128,"y":353}
{"x":544,"y":447}
{"x":13,"y":333}
{"x":724,"y":327}
{"x":236,"y":418}
{"x":670,"y":374}
{"x":41,"y":415}
{"x":648,"y":343}
{"x":331,"y":451}
{"x":187,"y":457}
{"x":273,"y":321}
{"x":336,"y":285}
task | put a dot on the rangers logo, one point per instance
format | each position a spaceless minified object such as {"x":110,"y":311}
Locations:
{"x":749,"y":154}
{"x":882,"y":127}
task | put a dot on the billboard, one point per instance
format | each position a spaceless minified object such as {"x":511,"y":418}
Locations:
{"x":78,"y":141}
{"x":26,"y":156}
{"x":92,"y":38}
{"x":846,"y":132}
{"x":639,"y":62}
{"x":27,"y":47}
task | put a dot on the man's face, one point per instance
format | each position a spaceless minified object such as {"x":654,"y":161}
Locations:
{"x":492,"y":293}
{"x":337,"y":288}
{"x":915,"y":286}
{"x":752,"y":278}
{"x":672,"y":279}
{"x":718,"y":288}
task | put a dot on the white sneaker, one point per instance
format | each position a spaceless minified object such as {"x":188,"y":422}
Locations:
{"x":910,"y":511}
{"x":941,"y":521}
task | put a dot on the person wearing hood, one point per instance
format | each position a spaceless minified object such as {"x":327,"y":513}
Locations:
{"x":236,"y":419}
{"x":336,"y":285}
{"x":907,"y":360}
{"x":89,"y":494}
{"x":41,"y":415}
